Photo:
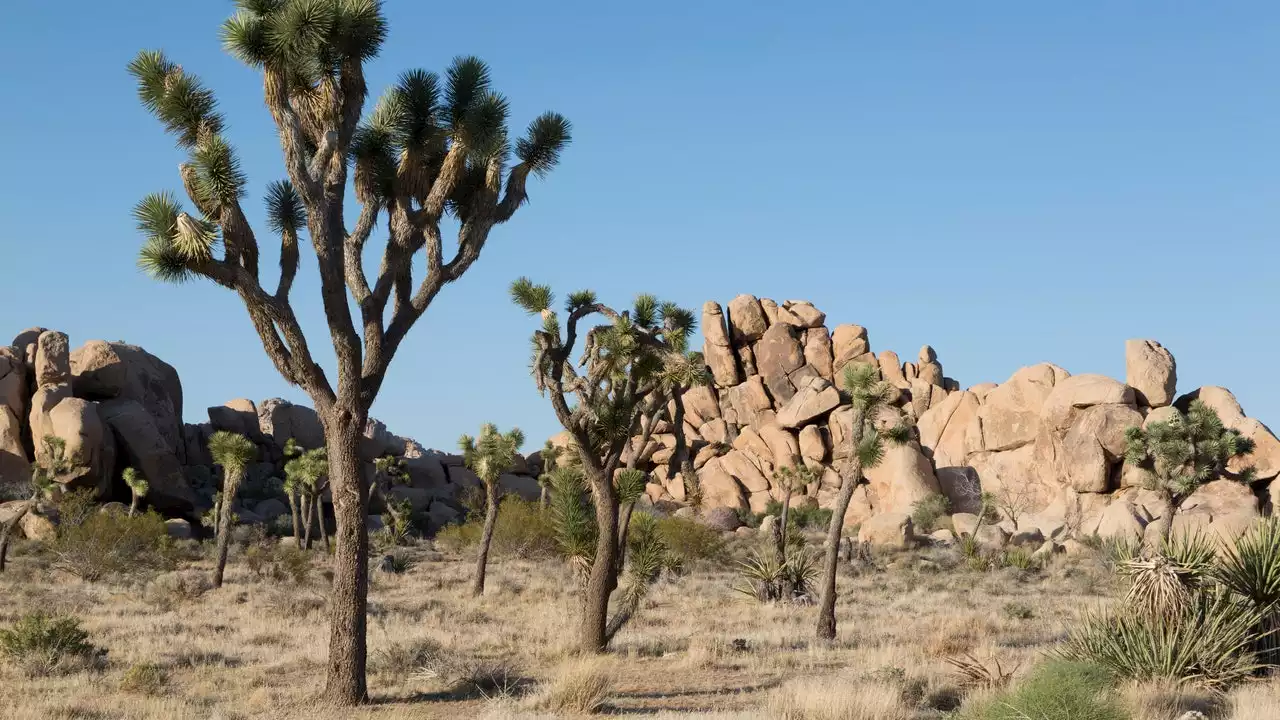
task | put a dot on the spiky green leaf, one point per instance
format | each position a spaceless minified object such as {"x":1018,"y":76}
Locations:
{"x":533,"y":298}
{"x":548,"y":135}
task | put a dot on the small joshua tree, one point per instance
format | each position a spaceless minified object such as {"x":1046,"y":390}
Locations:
{"x":138,"y":488}
{"x":431,"y":151}
{"x":600,"y":401}
{"x":233,"y":452}
{"x":489,"y":456}
{"x":1182,"y":454}
{"x":790,"y":479}
{"x":868,"y":394}
{"x":51,"y":463}
{"x":306,"y":474}
{"x":550,"y":458}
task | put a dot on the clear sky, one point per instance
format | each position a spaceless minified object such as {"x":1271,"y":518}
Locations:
{"x":1010,"y":182}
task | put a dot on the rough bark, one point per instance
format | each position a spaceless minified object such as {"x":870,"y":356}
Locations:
{"x":1164,"y":523}
{"x":346,"y":683}
{"x":849,"y":479}
{"x":307,"y":503}
{"x":229,"y":488}
{"x":9,"y":530}
{"x":624,"y":529}
{"x":133,"y":504}
{"x":324,"y":533}
{"x":297,"y":519}
{"x":603,"y":579}
{"x":490,"y":522}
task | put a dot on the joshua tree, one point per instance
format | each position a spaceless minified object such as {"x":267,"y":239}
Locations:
{"x":306,"y":473}
{"x":1182,"y":454}
{"x":233,"y":452}
{"x":49,"y":465}
{"x":489,"y":456}
{"x":681,"y":373}
{"x":550,"y":456}
{"x":867,"y":394}
{"x":430,"y":147}
{"x":138,"y":488}
{"x":629,"y":483}
{"x":790,"y":479}
{"x":600,"y":400}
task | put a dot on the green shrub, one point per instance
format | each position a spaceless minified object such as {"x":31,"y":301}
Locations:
{"x":144,"y":679}
{"x":115,"y":546}
{"x":691,"y":541}
{"x":1056,"y":690}
{"x":76,"y":506}
{"x":523,"y":530}
{"x":40,"y":644}
{"x":175,"y":589}
{"x":1210,"y":642}
{"x":1018,"y":558}
{"x":817,"y":518}
{"x":1018,"y":611}
{"x":926,"y":513}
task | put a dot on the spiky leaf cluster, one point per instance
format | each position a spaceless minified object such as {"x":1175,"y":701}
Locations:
{"x":232,"y":451}
{"x":630,"y":484}
{"x":307,"y":470}
{"x":794,"y":478}
{"x":492,"y":453}
{"x":1186,"y":451}
{"x":571,"y":516}
{"x":136,"y":482}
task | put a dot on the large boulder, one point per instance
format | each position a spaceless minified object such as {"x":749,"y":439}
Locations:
{"x":144,"y":447}
{"x":1009,"y":416}
{"x":738,"y":465}
{"x":15,"y":469}
{"x":281,"y":420}
{"x":801,"y":313}
{"x":949,"y":429}
{"x":779,"y":352}
{"x":77,"y":423}
{"x":784,"y":446}
{"x":13,"y":381}
{"x":849,"y":343}
{"x":817,"y":351}
{"x":816,"y":398}
{"x":1265,"y":458}
{"x":891,"y":369}
{"x":106,"y":371}
{"x":746,"y":320}
{"x":52,"y":358}
{"x":747,"y":403}
{"x":723,"y":519}
{"x":888,"y":529}
{"x":719,"y":489}
{"x":1151,"y":371}
{"x":1078,"y":392}
{"x":903,"y":477}
{"x":701,"y":406}
{"x":1221,"y":508}
{"x":716,"y":346}
{"x":237,"y":416}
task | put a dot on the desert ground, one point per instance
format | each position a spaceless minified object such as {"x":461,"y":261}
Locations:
{"x":256,"y":648}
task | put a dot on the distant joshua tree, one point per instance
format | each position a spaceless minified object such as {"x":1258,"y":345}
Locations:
{"x":790,"y":479}
{"x":550,"y":459}
{"x":600,"y":401}
{"x":489,"y":456}
{"x":50,"y":463}
{"x":431,"y":148}
{"x":233,"y":452}
{"x":1182,"y":454}
{"x":868,"y":394}
{"x":138,"y":488}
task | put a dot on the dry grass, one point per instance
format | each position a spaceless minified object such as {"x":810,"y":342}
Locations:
{"x":256,"y":648}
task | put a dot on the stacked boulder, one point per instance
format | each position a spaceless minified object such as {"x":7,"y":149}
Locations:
{"x":1045,"y":442}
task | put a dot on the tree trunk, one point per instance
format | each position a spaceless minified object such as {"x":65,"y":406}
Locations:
{"x":490,"y":521}
{"x":1163,"y":524}
{"x":307,"y":502}
{"x":133,"y":504}
{"x":324,"y":534}
{"x":848,"y":481}
{"x":780,"y":531}
{"x":603,"y":579}
{"x":297,"y":519}
{"x":9,"y":530}
{"x":229,"y":488}
{"x":345,"y":684}
{"x":542,"y":498}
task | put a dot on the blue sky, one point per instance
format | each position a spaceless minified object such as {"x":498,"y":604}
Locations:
{"x":1009,"y":182}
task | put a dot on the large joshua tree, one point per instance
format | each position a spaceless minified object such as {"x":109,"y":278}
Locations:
{"x":431,"y":148}
{"x":489,"y":456}
{"x":600,"y":399}
{"x":233,"y":452}
{"x":868,"y":394}
{"x":1183,"y":453}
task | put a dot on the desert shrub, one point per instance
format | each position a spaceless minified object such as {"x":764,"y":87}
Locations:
{"x":810,"y":517}
{"x":39,"y":644}
{"x":175,"y":589}
{"x":691,"y":541}
{"x":926,"y":512}
{"x":77,"y":506}
{"x":407,"y":657}
{"x":144,"y":679}
{"x":1057,"y":689}
{"x":1018,"y":611}
{"x":469,"y":677}
{"x":523,"y":530}
{"x":1209,"y":642}
{"x":579,"y":688}
{"x":1250,"y":568}
{"x":752,"y":520}
{"x":1018,"y":558}
{"x":114,"y":546}
{"x":396,"y":563}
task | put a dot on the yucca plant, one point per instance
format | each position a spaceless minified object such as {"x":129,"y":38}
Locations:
{"x":138,"y":488}
{"x":867,"y":394}
{"x":233,"y":452}
{"x":765,"y":577}
{"x":575,"y":526}
{"x":1164,"y":582}
{"x":647,"y":557}
{"x":1250,"y":568}
{"x":1182,"y":454}
{"x":489,"y":456}
{"x":1210,"y":642}
{"x":434,"y":154}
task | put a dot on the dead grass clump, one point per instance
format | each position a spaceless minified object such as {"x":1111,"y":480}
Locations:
{"x":837,"y":699}
{"x":580,"y":687}
{"x":408,"y":657}
{"x":144,"y":679}
{"x":1256,"y":701}
{"x":175,"y":589}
